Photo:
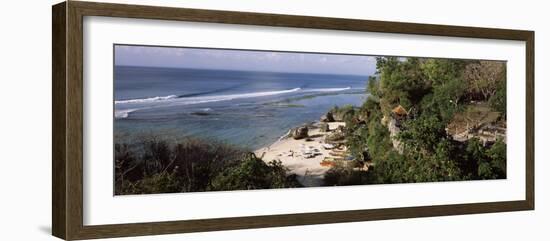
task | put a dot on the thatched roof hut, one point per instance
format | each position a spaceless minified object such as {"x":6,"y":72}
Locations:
{"x":400,"y":111}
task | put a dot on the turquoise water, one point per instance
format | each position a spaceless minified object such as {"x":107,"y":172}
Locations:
{"x":247,"y":109}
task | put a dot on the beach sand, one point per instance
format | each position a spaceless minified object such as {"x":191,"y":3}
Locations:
{"x":290,"y":152}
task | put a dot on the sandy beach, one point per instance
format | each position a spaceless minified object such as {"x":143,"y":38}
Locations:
{"x":303,"y":156}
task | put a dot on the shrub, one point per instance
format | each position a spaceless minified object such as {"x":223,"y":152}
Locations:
{"x":163,"y":182}
{"x":496,"y":160}
{"x":192,"y":165}
{"x":486,"y":163}
{"x":342,"y":113}
{"x":341,"y":175}
{"x":253,"y":173}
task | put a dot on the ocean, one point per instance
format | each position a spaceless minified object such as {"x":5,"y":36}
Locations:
{"x":248,"y":109}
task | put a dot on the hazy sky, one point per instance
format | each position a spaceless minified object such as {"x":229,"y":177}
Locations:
{"x":244,"y":60}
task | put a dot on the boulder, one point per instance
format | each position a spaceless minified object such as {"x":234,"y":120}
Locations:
{"x":324,"y":127}
{"x":327,"y":117}
{"x":300,"y":132}
{"x":337,"y":136}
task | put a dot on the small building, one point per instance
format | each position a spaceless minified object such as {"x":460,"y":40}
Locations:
{"x":399,"y":113}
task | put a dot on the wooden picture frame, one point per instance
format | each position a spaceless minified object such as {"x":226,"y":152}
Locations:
{"x":67,"y":124}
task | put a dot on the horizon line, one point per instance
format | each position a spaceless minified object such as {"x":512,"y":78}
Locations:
{"x":221,"y":69}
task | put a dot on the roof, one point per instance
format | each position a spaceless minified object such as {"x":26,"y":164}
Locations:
{"x":399,"y":110}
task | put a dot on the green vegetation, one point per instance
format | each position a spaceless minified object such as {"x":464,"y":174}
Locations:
{"x":341,"y":175}
{"x":343,"y":113}
{"x":254,"y":173}
{"x":437,"y":94}
{"x":192,"y":165}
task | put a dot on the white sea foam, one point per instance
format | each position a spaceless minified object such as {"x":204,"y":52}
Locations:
{"x":214,"y":98}
{"x":173,"y":99}
{"x":121,"y":114}
{"x":124,"y":107}
{"x":145,"y":100}
{"x":328,"y":89}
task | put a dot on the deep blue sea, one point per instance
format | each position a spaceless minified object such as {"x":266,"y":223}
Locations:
{"x":244,"y":108}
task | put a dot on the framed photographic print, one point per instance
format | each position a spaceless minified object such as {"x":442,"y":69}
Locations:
{"x":171,"y":120}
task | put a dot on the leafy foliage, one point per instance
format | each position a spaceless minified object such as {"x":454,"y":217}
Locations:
{"x":498,"y":100}
{"x":192,"y":165}
{"x":253,"y":173}
{"x":491,"y":162}
{"x":433,"y":91}
{"x":344,"y":176}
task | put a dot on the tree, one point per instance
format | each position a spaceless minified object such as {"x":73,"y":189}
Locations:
{"x":423,"y":133}
{"x":489,"y":163}
{"x":447,"y":97}
{"x":498,"y":100}
{"x":483,"y":77}
{"x":402,"y":82}
{"x":373,"y":86}
{"x":497,"y":157}
{"x":439,"y":71}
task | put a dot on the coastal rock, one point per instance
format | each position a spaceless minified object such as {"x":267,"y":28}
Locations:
{"x":327,"y":117}
{"x":394,"y":130}
{"x":337,"y":136}
{"x":300,"y":132}
{"x":324,"y":127}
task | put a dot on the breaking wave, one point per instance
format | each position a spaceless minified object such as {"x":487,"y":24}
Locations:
{"x":124,"y":107}
{"x":146,"y":100}
{"x":121,"y":114}
{"x":171,"y":100}
{"x":328,"y":89}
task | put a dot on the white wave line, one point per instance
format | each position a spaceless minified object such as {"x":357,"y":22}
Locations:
{"x":157,"y":98}
{"x":121,"y":114}
{"x":328,"y":89}
{"x":203,"y":99}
